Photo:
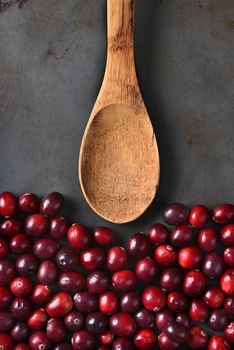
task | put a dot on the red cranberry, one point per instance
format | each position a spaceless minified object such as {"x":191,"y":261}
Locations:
{"x":19,"y":332}
{"x":20,"y":244}
{"x":228,"y":256}
{"x":56,"y":330}
{"x":21,"y":308}
{"x":47,"y":272}
{"x":165,"y":343}
{"x":122,"y":325}
{"x":228,"y":305}
{"x":93,"y":258}
{"x":96,"y":322}
{"x":183,"y":319}
{"x":175,"y":214}
{"x":10,"y":227}
{"x":117,"y":258}
{"x":51,"y":204}
{"x":214,"y":297}
{"x":108,"y":303}
{"x":213,"y":265}
{"x":181,"y":236}
{"x":103,"y":236}
{"x":59,"y":305}
{"x":171,"y":279}
{"x":189,"y":257}
{"x":153,"y":298}
{"x":106,"y":338}
{"x":21,"y":286}
{"x":83,"y":340}
{"x":38,"y":320}
{"x":122,"y":344}
{"x":5,"y":297}
{"x":6,"y":341}
{"x":85,"y":302}
{"x":197,"y":338}
{"x":21,"y":346}
{"x":97,"y":282}
{"x":163,"y":318}
{"x":26,"y":264}
{"x":217,"y":342}
{"x":45,"y":248}
{"x":8,"y":204}
{"x":79,"y":237}
{"x":130,"y":302}
{"x":224,"y":214}
{"x":103,"y":347}
{"x":177,"y":332}
{"x":39,"y":340}
{"x":41,"y":294}
{"x":218,"y":319}
{"x":36,"y":225}
{"x":29,"y":203}
{"x":6,"y":321}
{"x":7,"y":272}
{"x":207,"y":240}
{"x":124,"y":280}
{"x":158,"y":234}
{"x":227,"y":281}
{"x":138,"y":246}
{"x":144,"y":318}
{"x":227,"y":235}
{"x":198,"y":311}
{"x":67,"y":259}
{"x":229,"y":333}
{"x":63,"y":346}
{"x":4,"y":248}
{"x":146,"y":269}
{"x":165,"y":255}
{"x":194,"y":283}
{"x":71,"y":282}
{"x":58,"y":228}
{"x":177,"y":302}
{"x":74,"y":321}
{"x":199,"y":216}
{"x":145,"y":339}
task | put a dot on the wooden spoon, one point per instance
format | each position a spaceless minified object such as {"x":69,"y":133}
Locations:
{"x":119,"y":161}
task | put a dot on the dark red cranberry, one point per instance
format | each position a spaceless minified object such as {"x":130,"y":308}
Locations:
{"x":103,"y":236}
{"x":41,"y":294}
{"x":214,"y":297}
{"x":194,"y":283}
{"x":103,"y":347}
{"x":8,"y":204}
{"x":47,"y":272}
{"x":146,"y":269}
{"x":228,"y":305}
{"x":165,"y":255}
{"x":74,"y":321}
{"x":177,"y":302}
{"x":21,"y":286}
{"x":63,"y":346}
{"x":39,"y":340}
{"x":224,"y":214}
{"x":59,"y":305}
{"x":19,"y":332}
{"x":199,"y":216}
{"x":108,"y":303}
{"x":177,"y":332}
{"x":4,"y":248}
{"x":38,"y":320}
{"x":198,"y":311}
{"x":58,"y":228}
{"x":181,"y":236}
{"x":93,"y":258}
{"x":36,"y":225}
{"x":96,"y":322}
{"x":207,"y":240}
{"x":213,"y":265}
{"x":171,"y":279}
{"x":165,"y":343}
{"x":130,"y":302}
{"x":197,"y":338}
{"x":124,"y":280}
{"x":21,"y":346}
{"x":122,"y":325}
{"x":227,"y":235}
{"x":29,"y":203}
{"x":10,"y":227}
{"x":67,"y":259}
{"x":5,"y":297}
{"x":218,"y":319}
{"x":106,"y":338}
{"x":228,"y":256}
{"x":229,"y":333}
{"x":144,"y":318}
{"x":21,"y":308}
{"x":45,"y":248}
{"x":117,"y":258}
{"x":189,"y":257}
{"x":6,"y":341}
{"x":56,"y":330}
{"x":153,"y":298}
{"x":183,"y":319}
{"x":122,"y":344}
{"x":217,"y":342}
{"x":7,"y":272}
{"x":83,"y":340}
{"x":79,"y":237}
{"x":51,"y":204}
{"x":97,"y":282}
{"x":27,"y":264}
{"x":158,"y":234}
{"x":20,"y":244}
{"x":71,"y":282}
{"x":6,"y":321}
{"x":227,"y":281}
{"x":163,"y":318}
{"x":138,"y":246}
{"x":85,"y":302}
{"x":145,"y":339}
{"x":175,"y":214}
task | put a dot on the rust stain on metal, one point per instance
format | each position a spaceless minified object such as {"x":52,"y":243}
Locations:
{"x":5,"y":4}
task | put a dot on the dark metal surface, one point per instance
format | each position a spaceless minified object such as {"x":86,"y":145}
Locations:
{"x":52,"y":62}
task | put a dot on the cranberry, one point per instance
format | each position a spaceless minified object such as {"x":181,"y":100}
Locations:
{"x":229,"y":305}
{"x":20,"y":244}
{"x":71,"y":282}
{"x":38,"y":320}
{"x":21,"y":286}
{"x":10,"y":227}
{"x":103,"y":347}
{"x":6,"y":321}
{"x":47,"y":272}
{"x":36,"y":225}
{"x":58,"y":228}
{"x":74,"y":321}
{"x":56,"y":330}
{"x":138,"y":246}
{"x":218,"y":319}
{"x":228,"y":256}
{"x":171,"y":279}
{"x":29,"y":203}
{"x":229,"y":333}
{"x":39,"y":340}
{"x":83,"y":340}
{"x":176,"y":332}
{"x":122,"y":344}
{"x":227,"y":281}
{"x":85,"y":302}
{"x":79,"y":237}
{"x":19,"y":332}
{"x":59,"y":305}
{"x":198,"y":311}
{"x":177,"y":302}
{"x":163,"y":318}
{"x":93,"y":258}
{"x":124,"y":280}
{"x":103,"y":236}
{"x":214,"y":297}
{"x":21,"y":346}
{"x":97,"y":282}
{"x":67,"y":259}
{"x":224,"y":214}
{"x":130,"y":302}
{"x":175,"y":214}
{"x":96,"y":323}
{"x":165,"y":343}
{"x":108,"y":303}
{"x":227,"y":235}
{"x":26,"y":264}
{"x":153,"y":298}
{"x":45,"y":248}
{"x":207,"y":240}
{"x":7,"y":272}
{"x":197,"y":338}
{"x":217,"y":342}
{"x":145,"y":339}
{"x":165,"y":255}
{"x":146,"y":269}
{"x":194,"y":283}
{"x":41,"y":294}
{"x":181,"y":236}
{"x":5,"y":297}
{"x":4,"y":248}
{"x":21,"y":308}
{"x":8,"y":204}
{"x":189,"y":257}
{"x":106,"y":338}
{"x":122,"y":325}
{"x":183,"y":319}
{"x":6,"y":341}
{"x":213,"y":265}
{"x":199,"y":216}
{"x":158,"y":234}
{"x":51,"y":204}
{"x":63,"y":346}
{"x":117,"y":258}
{"x":144,"y":318}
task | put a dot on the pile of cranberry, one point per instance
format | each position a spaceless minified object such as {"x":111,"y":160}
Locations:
{"x":63,"y":288}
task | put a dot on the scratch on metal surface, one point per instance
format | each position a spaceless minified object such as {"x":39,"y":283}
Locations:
{"x":51,"y":52}
{"x":5,"y":4}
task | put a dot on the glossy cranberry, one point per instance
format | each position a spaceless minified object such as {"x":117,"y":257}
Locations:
{"x":26,"y":264}
{"x":145,"y":339}
{"x":177,"y":332}
{"x":117,"y":258}
{"x":130,"y":302}
{"x":74,"y":321}
{"x":10,"y":227}
{"x":171,"y":279}
{"x":93,"y":258}
{"x":124,"y":280}
{"x":165,"y":343}
{"x":38,"y":319}
{"x":217,"y":342}
{"x":214,"y":297}
{"x":122,"y":325}
{"x":228,"y":256}
{"x":47,"y":272}
{"x":224,"y":214}
{"x":218,"y":319}
{"x":21,"y":346}
{"x":97,"y":282}
{"x":6,"y":341}
{"x":103,"y":236}
{"x":85,"y":302}
{"x":67,"y":259}
{"x":181,"y":236}
{"x":229,"y":333}
{"x":227,"y":281}
{"x":21,"y":308}
{"x":194,"y":283}
{"x":122,"y":344}
{"x":198,"y":311}
{"x":138,"y":246}
{"x":213,"y":265}
{"x":39,"y":340}
{"x":36,"y":225}
{"x":41,"y":294}
{"x":51,"y":204}
{"x":5,"y":297}
{"x":106,"y":338}
{"x":158,"y":234}
{"x":20,"y":244}
{"x":108,"y":303}
{"x":6,"y":321}
{"x":183,"y":319}
{"x":21,"y":286}
{"x":207,"y":240}
{"x":199,"y":216}
{"x":163,"y":318}
{"x":165,"y":255}
{"x":4,"y":248}
{"x":83,"y":340}
{"x":153,"y":298}
{"x":189,"y":257}
{"x":175,"y":214}
{"x":8,"y":204}
{"x":56,"y":330}
{"x":177,"y":302}
{"x":58,"y":228}
{"x":146,"y":269}
{"x":59,"y":305}
{"x":45,"y":248}
{"x":7,"y":272}
{"x":229,"y":305}
{"x":227,"y":235}
{"x":197,"y":338}
{"x":29,"y":203}
{"x":19,"y":332}
{"x":71,"y":282}
{"x":79,"y":237}
{"x":63,"y":346}
{"x":96,"y":322}
{"x":144,"y":318}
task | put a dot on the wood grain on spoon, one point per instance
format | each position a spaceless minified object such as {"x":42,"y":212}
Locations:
{"x":119,"y":162}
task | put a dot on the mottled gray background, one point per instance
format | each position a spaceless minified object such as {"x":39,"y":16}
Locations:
{"x":52,"y":59}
